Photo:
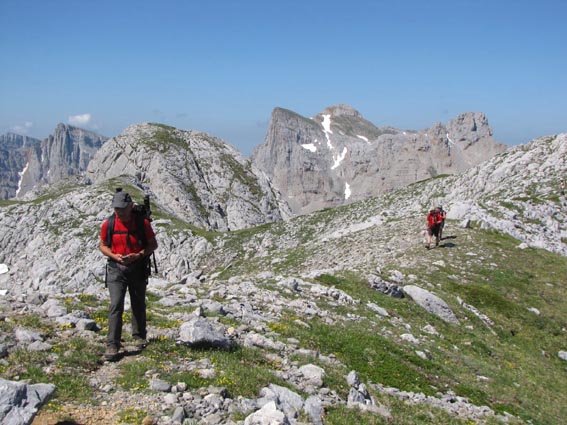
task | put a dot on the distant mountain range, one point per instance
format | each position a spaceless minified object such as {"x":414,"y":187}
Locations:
{"x":27,"y":163}
{"x":305,"y":164}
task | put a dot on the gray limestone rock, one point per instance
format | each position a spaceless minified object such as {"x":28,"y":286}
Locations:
{"x":314,"y":408}
{"x":201,"y":332}
{"x":20,"y":402}
{"x":312,"y":375}
{"x":431,"y":303}
{"x":253,"y":339}
{"x":384,"y":287}
{"x":160,"y":385}
{"x":353,"y":379}
{"x":269,"y":414}
{"x":286,"y":400}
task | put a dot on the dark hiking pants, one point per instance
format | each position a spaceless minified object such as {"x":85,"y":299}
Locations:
{"x":121,"y":279}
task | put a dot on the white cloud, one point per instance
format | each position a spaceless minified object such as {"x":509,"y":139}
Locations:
{"x":22,"y":129}
{"x":82,"y":119}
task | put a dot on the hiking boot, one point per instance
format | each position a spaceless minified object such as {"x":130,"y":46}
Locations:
{"x":437,"y":242}
{"x":140,"y":343}
{"x":111,"y":352}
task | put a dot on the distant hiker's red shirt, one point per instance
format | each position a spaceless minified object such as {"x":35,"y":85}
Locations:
{"x":119,"y":242}
{"x":433,"y":219}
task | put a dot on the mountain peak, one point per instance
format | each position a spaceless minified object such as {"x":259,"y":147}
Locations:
{"x":341,"y":110}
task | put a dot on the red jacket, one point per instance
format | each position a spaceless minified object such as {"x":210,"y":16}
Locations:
{"x":433,"y":219}
{"x":124,"y":239}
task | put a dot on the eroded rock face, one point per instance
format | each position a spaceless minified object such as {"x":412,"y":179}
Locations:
{"x":15,"y":153}
{"x":196,"y":176}
{"x":68,"y":152}
{"x":26,"y":163}
{"x":339,"y":157}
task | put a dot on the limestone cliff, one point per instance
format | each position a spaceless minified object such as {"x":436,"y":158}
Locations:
{"x":338,"y":157}
{"x":27,"y":164}
{"x":15,"y":154}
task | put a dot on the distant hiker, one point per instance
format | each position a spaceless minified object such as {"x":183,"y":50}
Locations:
{"x":433,"y":225}
{"x":443,"y":216}
{"x":128,"y":240}
{"x":564,"y":187}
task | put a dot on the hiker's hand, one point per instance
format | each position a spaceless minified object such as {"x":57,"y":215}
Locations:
{"x":129,"y":258}
{"x":119,"y":258}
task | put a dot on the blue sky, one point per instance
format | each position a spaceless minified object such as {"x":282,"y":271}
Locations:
{"x":222,"y":66}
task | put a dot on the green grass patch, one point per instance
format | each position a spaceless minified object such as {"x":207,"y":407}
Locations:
{"x":242,"y":371}
{"x":518,"y":354}
{"x":33,"y":367}
{"x":374,"y":357}
{"x":131,"y":416}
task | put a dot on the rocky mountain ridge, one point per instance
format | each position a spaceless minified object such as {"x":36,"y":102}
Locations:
{"x":200,"y":178}
{"x":338,"y":157}
{"x":26,"y":164}
{"x":335,"y":158}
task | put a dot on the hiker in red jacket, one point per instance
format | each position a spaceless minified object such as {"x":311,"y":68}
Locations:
{"x":128,"y":249}
{"x":433,"y":226}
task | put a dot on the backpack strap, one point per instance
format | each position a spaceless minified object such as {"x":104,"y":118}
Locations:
{"x":110,"y":230}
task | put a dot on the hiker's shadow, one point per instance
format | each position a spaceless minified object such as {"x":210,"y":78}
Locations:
{"x":448,"y":244}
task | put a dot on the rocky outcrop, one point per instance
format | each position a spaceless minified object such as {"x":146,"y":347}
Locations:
{"x":431,"y":303}
{"x":196,"y":176}
{"x":339,"y":157}
{"x":19,"y":402}
{"x":15,"y":153}
{"x":517,"y":193}
{"x":26,"y":164}
{"x":68,"y":152}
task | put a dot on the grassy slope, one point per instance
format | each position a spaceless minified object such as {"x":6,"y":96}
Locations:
{"x":511,"y":366}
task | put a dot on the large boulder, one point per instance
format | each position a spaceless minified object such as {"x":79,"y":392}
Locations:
{"x":20,"y":402}
{"x":431,"y":303}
